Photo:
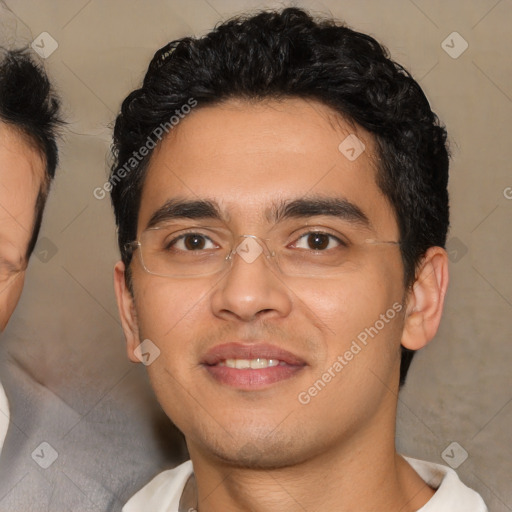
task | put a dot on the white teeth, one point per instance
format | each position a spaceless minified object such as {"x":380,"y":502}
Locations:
{"x":254,"y":364}
{"x":263,"y":363}
{"x":242,"y":364}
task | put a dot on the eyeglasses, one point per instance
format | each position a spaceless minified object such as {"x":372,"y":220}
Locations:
{"x":169,"y":251}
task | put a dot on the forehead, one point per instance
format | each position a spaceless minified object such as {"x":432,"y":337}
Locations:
{"x":247,"y":156}
{"x":21,"y":176}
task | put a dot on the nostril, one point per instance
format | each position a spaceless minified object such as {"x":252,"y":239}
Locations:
{"x":264,"y":312}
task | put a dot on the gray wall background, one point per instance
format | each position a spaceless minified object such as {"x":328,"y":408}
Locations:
{"x":65,"y":332}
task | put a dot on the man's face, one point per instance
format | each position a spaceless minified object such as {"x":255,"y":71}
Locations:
{"x":21,"y":176}
{"x":248,"y":160}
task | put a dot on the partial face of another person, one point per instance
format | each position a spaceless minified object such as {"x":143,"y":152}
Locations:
{"x":21,"y":177}
{"x":241,"y":344}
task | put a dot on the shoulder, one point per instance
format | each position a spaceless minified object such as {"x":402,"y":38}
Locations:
{"x":162,"y":494}
{"x":451,"y":494}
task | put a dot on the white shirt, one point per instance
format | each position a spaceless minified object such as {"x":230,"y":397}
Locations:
{"x":4,"y":416}
{"x":163,"y":493}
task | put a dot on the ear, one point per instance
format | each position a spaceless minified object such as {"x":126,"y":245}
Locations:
{"x":126,"y":306}
{"x":426,"y":299}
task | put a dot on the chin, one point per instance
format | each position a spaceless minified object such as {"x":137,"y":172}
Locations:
{"x":251,"y":457}
{"x":266,"y":453}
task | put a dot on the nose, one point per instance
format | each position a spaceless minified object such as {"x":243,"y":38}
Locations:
{"x":252,"y":287}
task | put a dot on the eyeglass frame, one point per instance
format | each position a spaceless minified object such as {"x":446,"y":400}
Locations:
{"x":137,"y":244}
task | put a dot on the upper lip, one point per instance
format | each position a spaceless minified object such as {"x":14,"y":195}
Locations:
{"x":250,"y":351}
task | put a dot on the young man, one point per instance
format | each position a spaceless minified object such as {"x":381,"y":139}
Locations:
{"x":280,"y":189}
{"x":29,"y":116}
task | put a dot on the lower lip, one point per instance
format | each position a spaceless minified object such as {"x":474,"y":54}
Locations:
{"x":250,"y":379}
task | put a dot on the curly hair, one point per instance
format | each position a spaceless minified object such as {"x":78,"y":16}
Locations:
{"x":288,"y":53}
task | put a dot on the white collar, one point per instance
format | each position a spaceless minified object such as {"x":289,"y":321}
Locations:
{"x":163,"y":493}
{"x":4,"y":416}
{"x":451,"y":494}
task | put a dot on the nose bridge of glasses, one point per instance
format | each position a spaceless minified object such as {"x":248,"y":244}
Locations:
{"x":250,"y":247}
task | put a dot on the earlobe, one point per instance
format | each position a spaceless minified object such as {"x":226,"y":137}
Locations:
{"x":127,"y":312}
{"x":426,"y":299}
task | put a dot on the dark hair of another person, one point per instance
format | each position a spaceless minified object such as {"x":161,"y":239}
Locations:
{"x":288,"y":54}
{"x":29,"y":106}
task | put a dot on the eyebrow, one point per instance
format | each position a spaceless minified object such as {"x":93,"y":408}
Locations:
{"x":330,"y":206}
{"x":298,"y":208}
{"x":180,"y":209}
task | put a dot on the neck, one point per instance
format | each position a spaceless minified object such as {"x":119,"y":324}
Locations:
{"x":368,"y":476}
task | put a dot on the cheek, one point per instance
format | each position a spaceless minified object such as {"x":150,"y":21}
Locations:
{"x":9,"y":296}
{"x":326,"y":303}
{"x":169,"y":312}
{"x":361,"y":327}
{"x":372,"y":325}
{"x":345,"y":306}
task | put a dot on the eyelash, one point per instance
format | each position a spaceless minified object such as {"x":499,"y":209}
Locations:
{"x":322,"y":233}
{"x":175,"y":241}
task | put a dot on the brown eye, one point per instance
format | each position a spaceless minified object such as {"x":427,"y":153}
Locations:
{"x":191,"y":242}
{"x":318,"y":241}
{"x":194,"y":242}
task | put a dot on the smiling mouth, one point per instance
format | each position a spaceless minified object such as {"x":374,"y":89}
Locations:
{"x":251,"y":374}
{"x":254,"y":364}
{"x":251,"y":367}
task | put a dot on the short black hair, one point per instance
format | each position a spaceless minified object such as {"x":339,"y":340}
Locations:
{"x":29,"y":105}
{"x":288,"y":53}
